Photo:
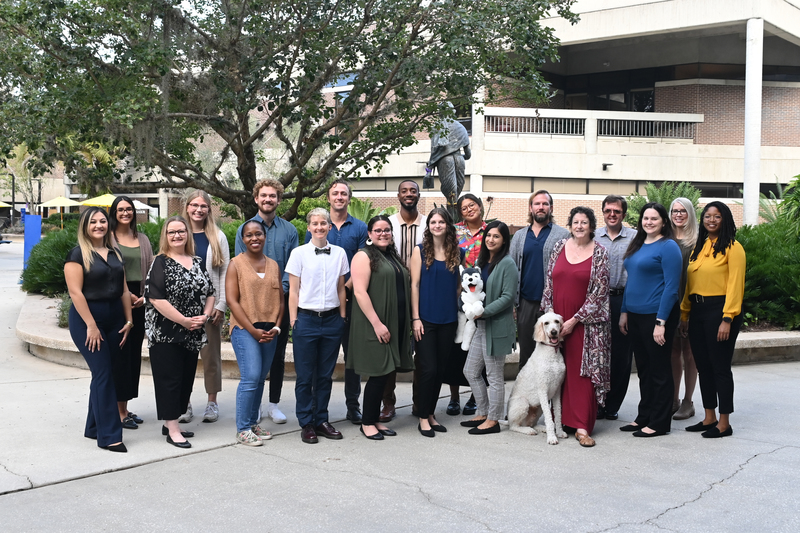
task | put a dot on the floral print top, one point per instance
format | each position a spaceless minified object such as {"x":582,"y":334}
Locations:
{"x":469,"y":242}
{"x":186,"y":290}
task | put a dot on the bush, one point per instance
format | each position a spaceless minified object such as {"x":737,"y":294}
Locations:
{"x":64,"y":303}
{"x":772,"y":279}
{"x":45,"y":271}
{"x":153,"y":232}
{"x":664,"y":195}
{"x":55,"y":220}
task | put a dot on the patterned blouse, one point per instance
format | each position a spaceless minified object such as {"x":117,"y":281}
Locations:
{"x":595,"y":314}
{"x":186,"y":290}
{"x":470,"y":243}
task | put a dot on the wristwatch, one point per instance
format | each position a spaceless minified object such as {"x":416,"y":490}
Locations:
{"x":727,"y":319}
{"x":660,"y":322}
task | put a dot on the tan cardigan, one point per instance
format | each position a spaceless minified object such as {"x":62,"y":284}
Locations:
{"x":260,"y":298}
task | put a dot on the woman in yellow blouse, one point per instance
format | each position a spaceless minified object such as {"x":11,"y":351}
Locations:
{"x":711,"y":313}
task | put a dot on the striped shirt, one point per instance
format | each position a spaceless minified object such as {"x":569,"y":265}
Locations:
{"x":407,"y":236}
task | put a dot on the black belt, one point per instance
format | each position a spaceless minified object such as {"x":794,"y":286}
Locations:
{"x":700,"y":299}
{"x":616,"y":292}
{"x":320,"y":314}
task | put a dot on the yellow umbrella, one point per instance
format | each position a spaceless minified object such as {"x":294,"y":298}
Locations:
{"x":100,"y":201}
{"x":60,"y":202}
{"x":3,"y":204}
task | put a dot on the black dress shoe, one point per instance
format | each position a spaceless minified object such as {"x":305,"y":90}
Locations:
{"x":478,"y":431}
{"x":184,"y":434}
{"x":135,"y":417}
{"x":453,"y":408}
{"x":612,"y":416}
{"x":630,"y":428}
{"x":387,"y":432}
{"x":308,"y":435}
{"x":120,"y":448}
{"x":184,"y":444}
{"x":376,"y":436}
{"x":700,"y":427}
{"x":354,"y":416}
{"x":641,"y":433}
{"x":128,"y":423}
{"x":470,"y":407}
{"x":472,"y":423}
{"x":328,"y":431}
{"x":601,"y":413}
{"x":439,"y":428}
{"x":426,"y":432}
{"x":715,"y":433}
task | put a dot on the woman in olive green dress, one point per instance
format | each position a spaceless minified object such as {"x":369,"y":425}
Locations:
{"x":380,"y":338}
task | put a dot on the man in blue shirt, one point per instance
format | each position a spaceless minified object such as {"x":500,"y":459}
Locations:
{"x":281,"y":239}
{"x":350,"y":234}
{"x":531,"y":248}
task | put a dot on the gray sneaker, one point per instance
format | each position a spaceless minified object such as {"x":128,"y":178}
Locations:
{"x":248,"y":438}
{"x":187,"y":416}
{"x":212,"y":412}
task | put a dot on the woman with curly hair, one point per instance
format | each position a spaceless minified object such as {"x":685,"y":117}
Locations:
{"x":711,"y":313}
{"x":435,"y":286}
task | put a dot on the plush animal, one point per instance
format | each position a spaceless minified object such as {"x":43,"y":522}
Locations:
{"x":472,"y":297}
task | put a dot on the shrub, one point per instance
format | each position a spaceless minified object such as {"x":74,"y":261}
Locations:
{"x":153,"y":232}
{"x":664,"y":195}
{"x":45,"y":271}
{"x":64,"y":303}
{"x":55,"y":220}
{"x":364,"y":211}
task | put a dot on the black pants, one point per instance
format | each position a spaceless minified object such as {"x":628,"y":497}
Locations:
{"x":352,"y":381}
{"x":279,"y":361}
{"x":654,"y":365}
{"x":433,"y":352}
{"x":373,"y":392}
{"x":713,"y":358}
{"x":620,"y":360}
{"x":528,"y":313}
{"x":173,"y":368}
{"x":127,"y":368}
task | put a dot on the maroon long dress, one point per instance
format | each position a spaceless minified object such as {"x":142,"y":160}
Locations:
{"x":578,"y":402}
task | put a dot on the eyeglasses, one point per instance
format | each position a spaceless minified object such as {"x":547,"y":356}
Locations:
{"x":178,"y":232}
{"x":612,"y":211}
{"x":468,"y":207}
{"x":381,"y":231}
{"x":124,"y":210}
{"x":679,"y":212}
{"x":199,"y":207}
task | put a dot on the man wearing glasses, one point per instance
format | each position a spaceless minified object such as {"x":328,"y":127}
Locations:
{"x":615,"y":238}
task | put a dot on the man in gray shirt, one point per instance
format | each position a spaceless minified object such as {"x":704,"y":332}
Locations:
{"x":615,"y":238}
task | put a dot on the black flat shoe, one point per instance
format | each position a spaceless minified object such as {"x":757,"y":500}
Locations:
{"x":630,"y":427}
{"x":426,"y":432}
{"x":185,"y":434}
{"x":715,"y":433}
{"x":700,"y":427}
{"x":477,"y":431}
{"x":184,"y":444}
{"x":135,"y":417}
{"x":641,"y":433}
{"x":453,"y":408}
{"x":376,"y":436}
{"x":387,"y":432}
{"x":439,"y":428}
{"x":472,"y":423}
{"x":612,"y":416}
{"x":128,"y":423}
{"x":470,"y":407}
{"x":120,"y":448}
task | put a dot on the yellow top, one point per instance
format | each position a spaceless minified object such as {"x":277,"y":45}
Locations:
{"x":716,"y":276}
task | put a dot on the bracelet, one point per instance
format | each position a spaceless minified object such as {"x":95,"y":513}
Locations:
{"x":279,"y":329}
{"x":413,"y":319}
{"x":129,"y":323}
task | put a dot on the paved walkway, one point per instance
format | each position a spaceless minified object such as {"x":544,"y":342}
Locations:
{"x":53,"y":478}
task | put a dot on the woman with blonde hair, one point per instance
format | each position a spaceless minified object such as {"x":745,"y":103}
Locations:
{"x":683,"y":218}
{"x":211,"y":245}
{"x":99,"y":321}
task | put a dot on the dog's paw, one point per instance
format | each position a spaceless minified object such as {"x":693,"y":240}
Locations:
{"x":552,"y":439}
{"x":561,"y":435}
{"x":524,"y":430}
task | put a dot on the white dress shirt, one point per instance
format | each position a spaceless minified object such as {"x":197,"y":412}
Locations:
{"x":319,"y":276}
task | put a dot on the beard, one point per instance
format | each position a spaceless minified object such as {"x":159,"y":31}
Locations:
{"x":540,"y":218}
{"x":410,"y":207}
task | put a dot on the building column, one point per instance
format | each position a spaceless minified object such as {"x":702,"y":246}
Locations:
{"x":752,"y":118}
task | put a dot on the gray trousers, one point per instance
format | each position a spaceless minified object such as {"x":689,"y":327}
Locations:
{"x":527,"y":314}
{"x":490,"y":403}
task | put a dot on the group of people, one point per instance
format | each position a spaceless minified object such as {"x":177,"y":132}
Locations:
{"x":388,"y":292}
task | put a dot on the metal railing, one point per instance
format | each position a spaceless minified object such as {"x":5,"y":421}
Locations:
{"x":540,"y":125}
{"x":645,"y":128}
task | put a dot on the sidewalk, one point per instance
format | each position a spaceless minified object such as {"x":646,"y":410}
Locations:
{"x":52,"y":478}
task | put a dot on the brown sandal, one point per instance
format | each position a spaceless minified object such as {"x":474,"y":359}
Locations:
{"x":585,"y":440}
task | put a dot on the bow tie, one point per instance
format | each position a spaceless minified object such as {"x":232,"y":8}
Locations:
{"x":326,"y":251}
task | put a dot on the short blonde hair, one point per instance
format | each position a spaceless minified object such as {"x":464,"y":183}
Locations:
{"x":318,"y":212}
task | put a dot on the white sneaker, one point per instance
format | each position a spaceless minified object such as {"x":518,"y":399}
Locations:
{"x":275,"y":414}
{"x":248,"y":438}
{"x":212,"y":412}
{"x":187,"y":416}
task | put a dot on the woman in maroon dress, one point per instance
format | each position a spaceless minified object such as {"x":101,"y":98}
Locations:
{"x":576,"y":287}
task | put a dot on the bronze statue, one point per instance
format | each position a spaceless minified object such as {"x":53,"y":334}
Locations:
{"x":446,"y":157}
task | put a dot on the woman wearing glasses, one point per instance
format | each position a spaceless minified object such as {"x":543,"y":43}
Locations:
{"x":176,"y":288}
{"x":211,"y":245}
{"x":379,"y":327}
{"x":684,"y":228}
{"x":711,"y":314}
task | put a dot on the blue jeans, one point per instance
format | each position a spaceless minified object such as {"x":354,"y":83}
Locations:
{"x":316,"y":347}
{"x":254,"y":359}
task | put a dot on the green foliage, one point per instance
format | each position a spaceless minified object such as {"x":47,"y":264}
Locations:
{"x":772,"y":280}
{"x":664,"y":195}
{"x":64,"y":303}
{"x":45,"y":271}
{"x":363,"y":209}
{"x":55,"y":220}
{"x":790,"y":208}
{"x":227,"y":210}
{"x":153,"y":232}
{"x":229,"y":229}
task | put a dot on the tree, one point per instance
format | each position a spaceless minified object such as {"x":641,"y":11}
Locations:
{"x":16,"y":174}
{"x":664,"y":195}
{"x":159,"y":78}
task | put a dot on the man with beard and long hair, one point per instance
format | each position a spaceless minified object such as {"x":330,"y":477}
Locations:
{"x":531,"y":249}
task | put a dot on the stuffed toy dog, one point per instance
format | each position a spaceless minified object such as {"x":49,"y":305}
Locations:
{"x":471,"y":305}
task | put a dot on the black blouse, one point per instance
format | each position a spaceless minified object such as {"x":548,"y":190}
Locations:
{"x":104,"y":280}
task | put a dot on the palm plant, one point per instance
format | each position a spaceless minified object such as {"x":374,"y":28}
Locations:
{"x":364,"y":210}
{"x":664,"y":195}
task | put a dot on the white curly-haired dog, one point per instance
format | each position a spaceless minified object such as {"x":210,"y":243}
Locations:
{"x":540,"y":381}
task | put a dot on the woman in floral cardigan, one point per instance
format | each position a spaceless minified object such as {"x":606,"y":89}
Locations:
{"x":576,"y":287}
